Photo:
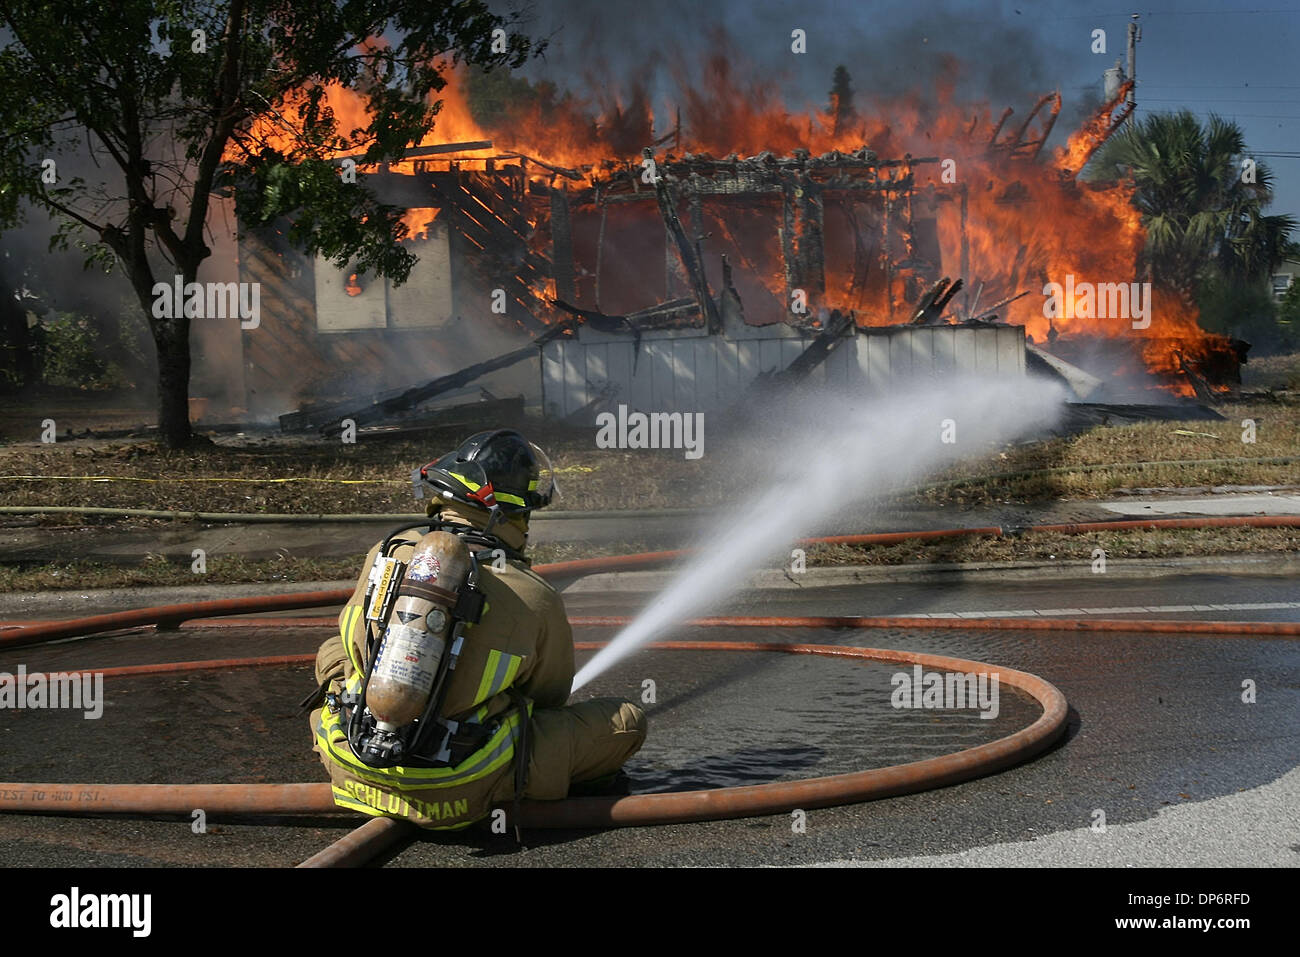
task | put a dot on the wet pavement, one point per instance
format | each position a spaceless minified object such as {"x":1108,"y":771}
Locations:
{"x":1157,"y":724}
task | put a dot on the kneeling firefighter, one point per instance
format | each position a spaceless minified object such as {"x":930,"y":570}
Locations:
{"x":444,"y":692}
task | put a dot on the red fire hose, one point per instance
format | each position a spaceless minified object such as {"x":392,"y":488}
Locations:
{"x":636,"y":810}
{"x":171,"y":616}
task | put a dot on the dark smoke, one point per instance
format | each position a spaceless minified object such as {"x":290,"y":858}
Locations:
{"x":986,"y":52}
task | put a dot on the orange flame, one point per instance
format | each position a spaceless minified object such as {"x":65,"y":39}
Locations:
{"x":1027,"y":219}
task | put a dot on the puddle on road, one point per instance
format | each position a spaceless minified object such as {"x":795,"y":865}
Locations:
{"x":718,"y":719}
{"x":724,"y":719}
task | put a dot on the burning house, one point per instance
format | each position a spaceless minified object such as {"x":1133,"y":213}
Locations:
{"x":677,"y":278}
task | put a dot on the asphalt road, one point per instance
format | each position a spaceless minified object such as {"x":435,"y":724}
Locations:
{"x":1159,"y":739}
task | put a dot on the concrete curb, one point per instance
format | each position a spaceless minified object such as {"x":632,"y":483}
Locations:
{"x":72,"y":603}
{"x":1268,"y":563}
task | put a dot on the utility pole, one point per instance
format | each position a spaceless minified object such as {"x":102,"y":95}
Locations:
{"x":1134,"y":37}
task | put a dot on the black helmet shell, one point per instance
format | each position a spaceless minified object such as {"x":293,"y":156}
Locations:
{"x":496,"y":467}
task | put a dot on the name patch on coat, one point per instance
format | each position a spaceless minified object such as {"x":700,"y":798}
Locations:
{"x":390,"y":803}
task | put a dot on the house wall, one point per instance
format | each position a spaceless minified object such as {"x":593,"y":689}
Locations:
{"x":688,"y":371}
{"x":1283,"y":276}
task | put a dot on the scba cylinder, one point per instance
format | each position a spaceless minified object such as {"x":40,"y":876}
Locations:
{"x":416,"y":637}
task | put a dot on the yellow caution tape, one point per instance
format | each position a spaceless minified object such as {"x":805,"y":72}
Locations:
{"x":253,"y":481}
{"x":256,"y":481}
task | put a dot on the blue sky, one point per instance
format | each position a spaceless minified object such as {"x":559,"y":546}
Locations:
{"x":1237,"y":59}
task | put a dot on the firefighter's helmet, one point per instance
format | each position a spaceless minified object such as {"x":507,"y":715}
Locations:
{"x":498,"y":467}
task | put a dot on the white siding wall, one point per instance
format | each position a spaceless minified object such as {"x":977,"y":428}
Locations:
{"x":694,"y":373}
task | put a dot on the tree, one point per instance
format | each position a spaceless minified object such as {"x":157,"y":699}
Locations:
{"x":498,"y":98}
{"x":842,"y":112}
{"x":1202,"y":200}
{"x":179,"y":97}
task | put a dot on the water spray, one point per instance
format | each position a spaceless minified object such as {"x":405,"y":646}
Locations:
{"x":828,"y":453}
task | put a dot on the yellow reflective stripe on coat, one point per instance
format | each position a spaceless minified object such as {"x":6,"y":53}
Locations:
{"x":343,"y":799}
{"x":495,"y":754}
{"x":350,"y":616}
{"x":331,"y":736}
{"x":498,"y":673}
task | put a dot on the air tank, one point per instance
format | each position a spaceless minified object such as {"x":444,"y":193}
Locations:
{"x":418,"y":628}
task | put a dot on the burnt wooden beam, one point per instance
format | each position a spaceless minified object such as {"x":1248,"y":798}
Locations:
{"x":998,"y":128}
{"x":1199,"y":385}
{"x":604,"y":322}
{"x":837,"y":326}
{"x":990,"y":312}
{"x":708,"y":308}
{"x":933,"y":303}
{"x":925,"y":305}
{"x":417,"y":151}
{"x":789,"y":258}
{"x":557,"y":170}
{"x":413,"y":397}
{"x":810,"y":240}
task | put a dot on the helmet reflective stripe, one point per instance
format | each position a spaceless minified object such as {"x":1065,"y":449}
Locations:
{"x":500,"y":468}
{"x":472,"y":486}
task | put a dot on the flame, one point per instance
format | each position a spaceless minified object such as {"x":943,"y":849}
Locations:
{"x":418,"y":220}
{"x":1028,"y":221}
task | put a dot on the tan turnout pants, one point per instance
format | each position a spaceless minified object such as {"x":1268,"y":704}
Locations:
{"x":580,"y":742}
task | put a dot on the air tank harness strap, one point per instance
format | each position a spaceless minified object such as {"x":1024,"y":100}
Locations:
{"x":467,"y":739}
{"x":317,"y":697}
{"x":474,"y":537}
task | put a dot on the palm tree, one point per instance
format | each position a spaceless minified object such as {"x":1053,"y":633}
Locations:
{"x":1202,"y":208}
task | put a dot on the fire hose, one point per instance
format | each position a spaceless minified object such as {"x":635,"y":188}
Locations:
{"x":298,"y":799}
{"x":171,"y":616}
{"x":576,"y":813}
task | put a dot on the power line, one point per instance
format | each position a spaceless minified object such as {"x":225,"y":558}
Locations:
{"x":1165,"y":13}
{"x":1213,"y":86}
{"x":1244,"y":99}
{"x":1199,"y":13}
{"x":1233,"y":115}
